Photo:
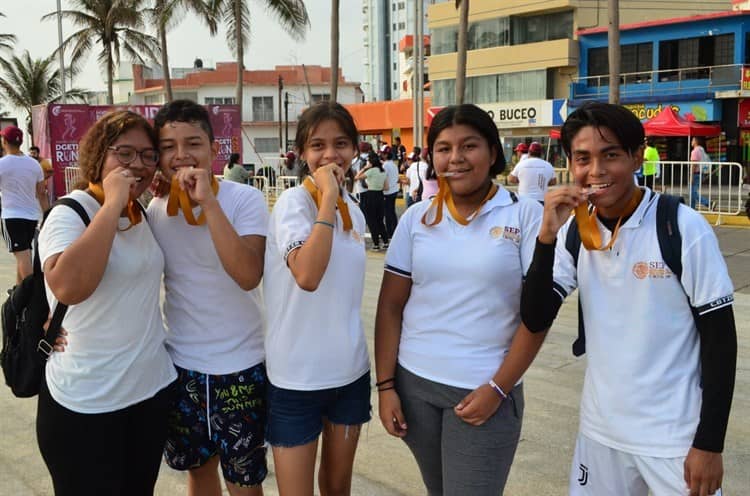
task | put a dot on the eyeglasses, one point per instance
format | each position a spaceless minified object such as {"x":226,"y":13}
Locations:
{"x":126,"y":155}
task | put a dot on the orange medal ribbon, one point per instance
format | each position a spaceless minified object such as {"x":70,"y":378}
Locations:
{"x":133,"y":211}
{"x":444,"y":195}
{"x":179,"y":198}
{"x":317,"y":197}
{"x":591,"y":238}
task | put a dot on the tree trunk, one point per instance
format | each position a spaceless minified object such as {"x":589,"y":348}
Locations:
{"x":165,"y":63}
{"x":110,"y":76}
{"x":334,"y":49}
{"x":463,"y":31}
{"x":240,"y":53}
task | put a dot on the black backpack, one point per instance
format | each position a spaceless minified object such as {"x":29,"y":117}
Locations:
{"x":670,"y":245}
{"x":26,"y":347}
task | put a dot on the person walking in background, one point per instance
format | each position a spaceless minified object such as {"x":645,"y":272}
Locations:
{"x":533,"y":175}
{"x":390,"y":192}
{"x":47,"y":169}
{"x":213,"y":235}
{"x":24,"y":192}
{"x":234,"y":171}
{"x":103,"y":405}
{"x":431,"y":185}
{"x":700,"y":167}
{"x":372,"y":201}
{"x":650,"y":163}
{"x":450,"y":347}
{"x":316,"y":352}
{"x":416,"y":175}
{"x":521,"y":153}
{"x":661,"y":429}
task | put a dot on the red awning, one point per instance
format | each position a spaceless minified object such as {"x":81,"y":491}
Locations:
{"x":554,"y":133}
{"x":669,"y":123}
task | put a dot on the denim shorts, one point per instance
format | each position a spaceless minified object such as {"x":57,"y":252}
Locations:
{"x":220,"y":414}
{"x":295,"y":418}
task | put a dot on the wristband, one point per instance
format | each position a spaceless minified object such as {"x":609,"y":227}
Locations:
{"x":324,"y":223}
{"x":498,"y":389}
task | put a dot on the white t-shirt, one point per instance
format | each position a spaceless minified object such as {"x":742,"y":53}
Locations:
{"x":214,"y":326}
{"x":534,"y":175}
{"x":391,"y":172}
{"x":465,"y":300}
{"x":641,"y":391}
{"x":19,"y":176}
{"x":359,"y":162}
{"x":315,"y":340}
{"x":115,"y":355}
{"x":414,"y":172}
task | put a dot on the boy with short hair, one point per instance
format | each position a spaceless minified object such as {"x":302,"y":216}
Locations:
{"x":213,"y":237}
{"x":661,"y":350}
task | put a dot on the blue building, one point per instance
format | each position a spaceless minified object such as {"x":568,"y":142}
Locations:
{"x":693,"y":64}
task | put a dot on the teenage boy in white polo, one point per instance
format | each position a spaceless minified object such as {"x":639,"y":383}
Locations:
{"x":661,"y":351}
{"x":213,"y":237}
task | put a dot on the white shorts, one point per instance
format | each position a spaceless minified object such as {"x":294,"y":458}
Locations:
{"x":599,"y":470}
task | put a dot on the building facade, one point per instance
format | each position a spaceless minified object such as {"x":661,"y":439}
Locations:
{"x":272,"y":100}
{"x":384,"y":24}
{"x":522,"y":56}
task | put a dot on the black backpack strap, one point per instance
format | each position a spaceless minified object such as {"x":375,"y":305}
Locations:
{"x":573,"y":245}
{"x":513,"y":196}
{"x":668,"y":232}
{"x":45,"y":345}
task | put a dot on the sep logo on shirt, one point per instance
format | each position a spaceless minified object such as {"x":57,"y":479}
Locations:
{"x":506,"y":232}
{"x":652,"y":270}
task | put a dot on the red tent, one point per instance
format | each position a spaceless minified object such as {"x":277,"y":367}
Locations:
{"x":669,"y":123}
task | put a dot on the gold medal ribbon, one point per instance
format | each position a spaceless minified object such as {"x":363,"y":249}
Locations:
{"x":317,"y":197}
{"x":179,"y":198}
{"x":132,"y":210}
{"x":587,"y":227}
{"x":444,"y":195}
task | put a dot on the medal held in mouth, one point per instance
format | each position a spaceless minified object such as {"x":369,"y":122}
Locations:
{"x":132,"y":210}
{"x":178,"y":198}
{"x":341,"y":205}
{"x":591,"y":238}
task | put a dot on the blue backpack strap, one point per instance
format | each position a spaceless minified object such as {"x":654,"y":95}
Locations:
{"x":668,"y":232}
{"x":573,"y":245}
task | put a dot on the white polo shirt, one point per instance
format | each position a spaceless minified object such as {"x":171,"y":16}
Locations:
{"x":464,"y":305}
{"x":315,"y":340}
{"x":534,"y":175}
{"x":416,"y":171}
{"x":641,"y":391}
{"x":214,"y":326}
{"x":391,"y":171}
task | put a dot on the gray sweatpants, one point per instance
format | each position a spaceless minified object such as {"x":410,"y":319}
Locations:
{"x":455,"y":458}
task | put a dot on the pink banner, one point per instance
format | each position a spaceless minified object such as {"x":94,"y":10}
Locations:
{"x":59,"y":128}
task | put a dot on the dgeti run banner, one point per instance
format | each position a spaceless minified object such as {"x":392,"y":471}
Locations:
{"x":58,"y":129}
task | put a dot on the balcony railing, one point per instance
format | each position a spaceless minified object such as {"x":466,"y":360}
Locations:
{"x":671,"y":82}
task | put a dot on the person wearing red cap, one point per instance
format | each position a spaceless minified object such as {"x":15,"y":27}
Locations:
{"x":23,"y":193}
{"x":533,"y":175}
{"x":521,"y":151}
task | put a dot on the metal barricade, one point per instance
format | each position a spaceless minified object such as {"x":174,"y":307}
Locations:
{"x":72,"y":176}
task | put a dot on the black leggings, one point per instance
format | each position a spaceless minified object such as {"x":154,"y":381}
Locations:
{"x":115,"y":453}
{"x":373,"y":208}
{"x":391,"y":219}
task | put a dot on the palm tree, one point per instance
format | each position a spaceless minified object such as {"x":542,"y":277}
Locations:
{"x":463,"y":30}
{"x":6,"y":40}
{"x":26,"y":82}
{"x":168,"y":13}
{"x":334,"y":49}
{"x":113,"y":24}
{"x":292,"y":15}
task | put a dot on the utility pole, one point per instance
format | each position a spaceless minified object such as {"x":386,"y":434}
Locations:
{"x":60,"y":52}
{"x":282,"y":145}
{"x":418,"y":73}
{"x":613,"y":38}
{"x":286,"y":120}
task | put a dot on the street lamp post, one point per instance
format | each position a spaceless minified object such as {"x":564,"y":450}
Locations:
{"x":60,"y":51}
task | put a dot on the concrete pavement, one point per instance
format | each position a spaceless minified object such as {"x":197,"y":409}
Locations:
{"x":384,"y":466}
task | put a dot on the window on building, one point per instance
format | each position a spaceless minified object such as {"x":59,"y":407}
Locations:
{"x":395,"y":66}
{"x":691,"y":57}
{"x":395,"y":47}
{"x":393,"y":7}
{"x":395,"y":86}
{"x":532,"y":29}
{"x":528,"y":85}
{"x":724,"y":49}
{"x":598,"y":61}
{"x":320,"y":97}
{"x":402,"y":25}
{"x":401,"y":5}
{"x":219,"y":100}
{"x":266,"y":145}
{"x":262,"y":108}
{"x":444,"y":40}
{"x":490,"y":33}
{"x":443,"y":92}
{"x":394,"y":26}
